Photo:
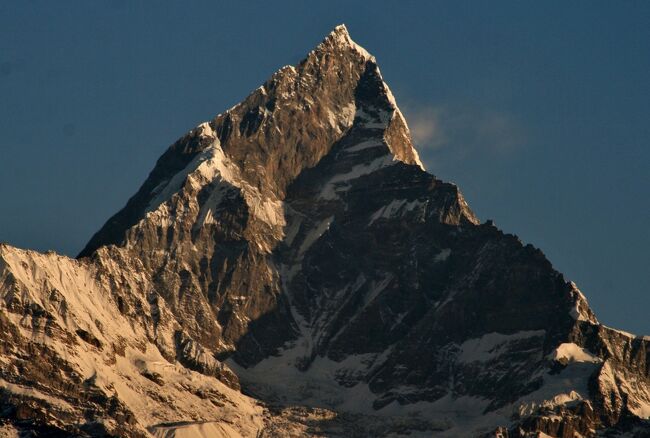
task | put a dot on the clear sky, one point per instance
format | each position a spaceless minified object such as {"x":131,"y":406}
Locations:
{"x":540,"y":111}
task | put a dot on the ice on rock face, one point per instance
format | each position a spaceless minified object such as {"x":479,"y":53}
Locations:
{"x":297,"y":238}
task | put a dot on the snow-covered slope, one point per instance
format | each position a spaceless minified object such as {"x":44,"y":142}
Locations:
{"x":294,"y":248}
{"x":71,"y":349}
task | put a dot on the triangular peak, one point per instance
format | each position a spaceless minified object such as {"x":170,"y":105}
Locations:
{"x":338,"y":38}
{"x":283,"y":127}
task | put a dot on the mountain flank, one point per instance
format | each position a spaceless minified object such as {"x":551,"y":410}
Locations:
{"x":290,"y":269}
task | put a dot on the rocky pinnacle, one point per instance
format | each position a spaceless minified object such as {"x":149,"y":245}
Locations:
{"x":289,"y":268}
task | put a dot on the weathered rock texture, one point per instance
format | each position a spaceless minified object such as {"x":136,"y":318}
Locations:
{"x":295,"y":247}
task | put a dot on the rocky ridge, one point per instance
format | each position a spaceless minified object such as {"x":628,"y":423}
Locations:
{"x":294,"y":248}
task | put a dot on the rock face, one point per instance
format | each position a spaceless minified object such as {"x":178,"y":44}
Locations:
{"x":295,"y":249}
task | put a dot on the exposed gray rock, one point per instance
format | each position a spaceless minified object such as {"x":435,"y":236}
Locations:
{"x":294,"y":245}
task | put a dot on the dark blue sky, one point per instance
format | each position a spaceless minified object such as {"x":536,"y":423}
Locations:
{"x":540,"y":112}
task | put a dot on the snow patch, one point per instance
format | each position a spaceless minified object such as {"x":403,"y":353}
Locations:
{"x":364,"y":145}
{"x":341,"y":118}
{"x":341,"y":37}
{"x":396,"y":208}
{"x":211,"y":166}
{"x":36,"y":394}
{"x":205,"y":130}
{"x":442,"y":255}
{"x":570,"y":352}
{"x":202,"y":163}
{"x":626,"y":334}
{"x":90,"y":306}
{"x":209,"y":429}
{"x":315,"y":234}
{"x":376,"y":288}
{"x":340,"y":183}
{"x":491,"y":345}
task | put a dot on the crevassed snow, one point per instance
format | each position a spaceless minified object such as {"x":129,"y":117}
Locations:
{"x":571,"y":352}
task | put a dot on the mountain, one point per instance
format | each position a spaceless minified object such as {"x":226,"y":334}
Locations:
{"x":289,"y":268}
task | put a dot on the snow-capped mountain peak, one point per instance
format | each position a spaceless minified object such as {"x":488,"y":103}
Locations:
{"x":294,"y":248}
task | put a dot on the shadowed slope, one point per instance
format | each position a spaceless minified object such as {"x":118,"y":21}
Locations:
{"x":297,"y":240}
